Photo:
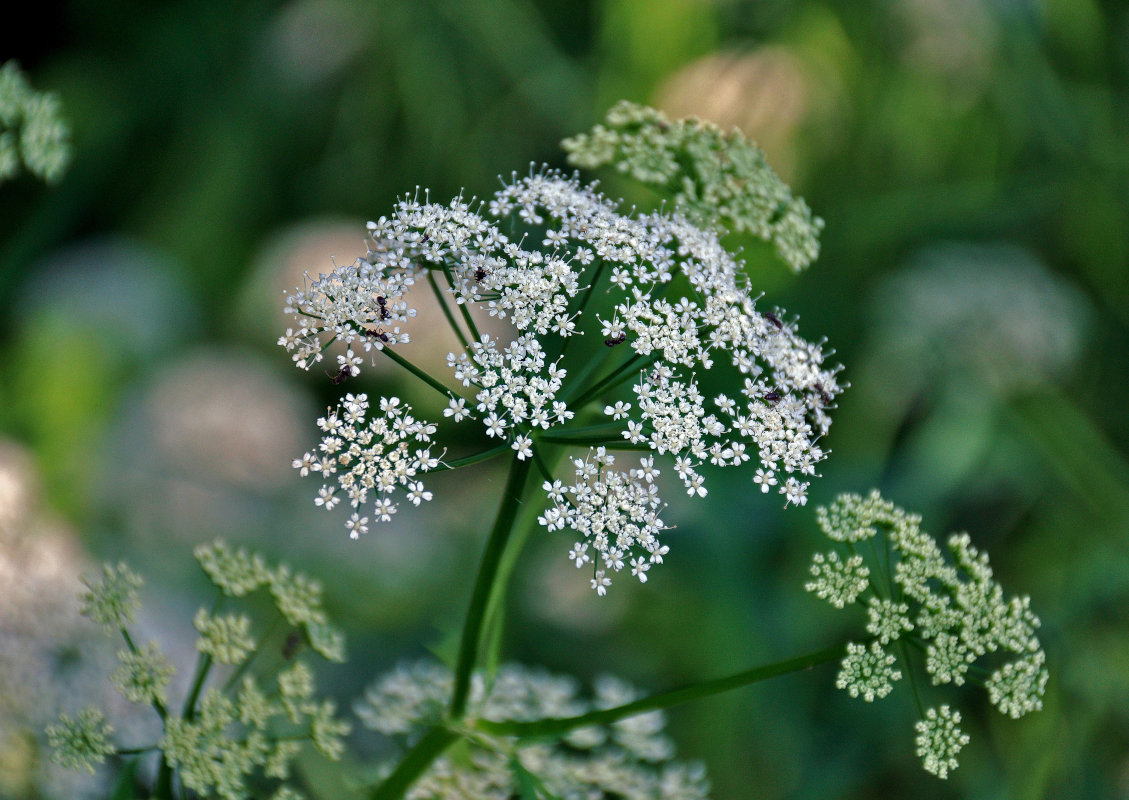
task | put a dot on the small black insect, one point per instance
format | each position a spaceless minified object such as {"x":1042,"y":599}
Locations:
{"x":381,"y":335}
{"x":291,"y":645}
{"x":619,"y":338}
{"x":341,"y":376}
{"x":823,"y":395}
{"x":480,"y":273}
{"x":775,"y":321}
{"x":774,"y":397}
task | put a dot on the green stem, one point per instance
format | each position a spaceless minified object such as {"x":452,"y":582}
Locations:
{"x":473,"y":458}
{"x":419,"y":373}
{"x":419,"y":758}
{"x":607,"y":382}
{"x":578,"y":311}
{"x":599,"y":434}
{"x":446,"y":310}
{"x":484,"y":582}
{"x":202,"y":666}
{"x":467,"y":318}
{"x":162,"y":789}
{"x":241,"y":670}
{"x":551,"y":728}
{"x":158,"y":706}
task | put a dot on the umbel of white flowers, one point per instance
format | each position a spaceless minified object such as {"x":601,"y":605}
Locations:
{"x":955,"y":613}
{"x":673,"y":304}
{"x":627,"y":760}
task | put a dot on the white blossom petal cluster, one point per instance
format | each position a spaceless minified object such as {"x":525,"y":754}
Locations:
{"x":781,"y":404}
{"x":361,"y":305}
{"x":384,"y":455}
{"x":615,"y":513}
{"x":627,"y":760}
{"x":655,"y":299}
{"x":516,"y":387}
{"x":954,"y":611}
{"x":939,"y":740}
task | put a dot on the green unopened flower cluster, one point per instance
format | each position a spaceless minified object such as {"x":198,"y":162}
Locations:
{"x":32,"y":130}
{"x":954,"y":613}
{"x":712,"y":174}
{"x":112,"y":600}
{"x":230,"y":736}
{"x":629,"y":760}
{"x":83,"y":742}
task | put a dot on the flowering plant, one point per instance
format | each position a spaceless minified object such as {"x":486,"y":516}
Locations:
{"x":580,"y":331}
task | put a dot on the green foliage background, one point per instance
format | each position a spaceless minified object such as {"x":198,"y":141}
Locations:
{"x":971,"y":154}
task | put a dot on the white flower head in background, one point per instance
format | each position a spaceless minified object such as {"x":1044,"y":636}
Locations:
{"x":628,"y":760}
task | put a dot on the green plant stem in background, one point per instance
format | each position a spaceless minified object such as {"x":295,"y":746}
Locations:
{"x":439,"y":738}
{"x":512,"y":496}
{"x":418,"y":759}
{"x":552,"y":728}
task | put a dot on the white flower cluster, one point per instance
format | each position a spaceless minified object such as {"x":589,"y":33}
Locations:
{"x":628,"y":760}
{"x":956,"y":613}
{"x":516,"y":389}
{"x":656,"y":297}
{"x":360,"y":305}
{"x":382,"y":454}
{"x":615,"y":512}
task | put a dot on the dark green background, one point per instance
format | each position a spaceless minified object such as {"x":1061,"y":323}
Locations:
{"x":971,"y":154}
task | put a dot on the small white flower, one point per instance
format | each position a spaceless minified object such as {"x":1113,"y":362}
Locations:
{"x":357,"y":526}
{"x":601,"y":583}
{"x":456,"y":409}
{"x":494,"y":425}
{"x":350,"y":362}
{"x":795,"y":491}
{"x":618,"y":411}
{"x":639,"y":567}
{"x":523,"y":446}
{"x":418,"y":493}
{"x":326,"y":498}
{"x":579,"y":553}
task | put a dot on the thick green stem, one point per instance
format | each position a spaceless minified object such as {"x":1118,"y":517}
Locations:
{"x":162,"y":789}
{"x":552,"y":728}
{"x":512,"y":496}
{"x":419,"y":758}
